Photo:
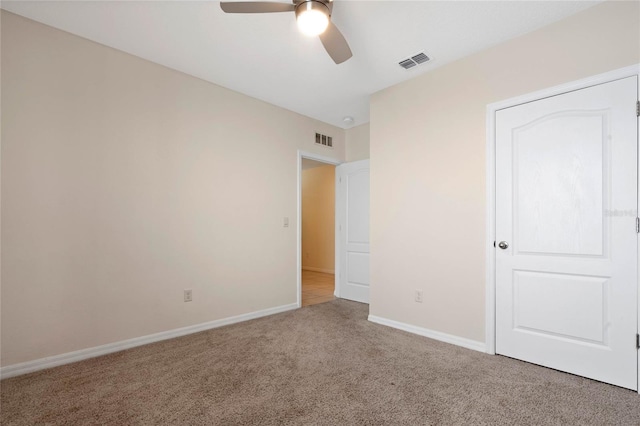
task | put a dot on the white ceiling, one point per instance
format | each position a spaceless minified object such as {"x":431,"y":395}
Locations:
{"x":264,"y":56}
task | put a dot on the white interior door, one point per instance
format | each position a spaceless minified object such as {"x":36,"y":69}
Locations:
{"x":566,"y":207}
{"x":353,"y":230}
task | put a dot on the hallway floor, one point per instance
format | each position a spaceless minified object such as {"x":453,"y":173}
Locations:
{"x":317,"y":287}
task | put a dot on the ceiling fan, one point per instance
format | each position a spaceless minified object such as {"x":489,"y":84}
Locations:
{"x":313,"y":17}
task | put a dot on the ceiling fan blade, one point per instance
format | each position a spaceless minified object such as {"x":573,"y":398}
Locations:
{"x":255,"y":7}
{"x":335,"y":44}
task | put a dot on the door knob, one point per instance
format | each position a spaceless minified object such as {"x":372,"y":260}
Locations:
{"x":503,"y":245}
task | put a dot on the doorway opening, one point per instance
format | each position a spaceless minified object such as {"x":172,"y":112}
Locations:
{"x":318,"y":232}
{"x":305,"y":156}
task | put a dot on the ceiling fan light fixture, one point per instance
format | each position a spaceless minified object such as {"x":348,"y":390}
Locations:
{"x":312,"y":17}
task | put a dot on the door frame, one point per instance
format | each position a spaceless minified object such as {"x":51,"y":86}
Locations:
{"x":329,"y":161}
{"x":490,"y":256}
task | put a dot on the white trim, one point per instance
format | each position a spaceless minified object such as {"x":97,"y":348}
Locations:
{"x":314,"y":269}
{"x":432,"y":334}
{"x":322,"y":159}
{"x":490,"y":333}
{"x":638,"y":209}
{"x":490,"y":257}
{"x":69,"y":357}
{"x":337,"y":242}
{"x":567,"y":87}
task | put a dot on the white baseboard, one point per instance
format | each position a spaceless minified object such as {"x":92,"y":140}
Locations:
{"x":432,"y":334}
{"x":314,"y":269}
{"x":69,"y":357}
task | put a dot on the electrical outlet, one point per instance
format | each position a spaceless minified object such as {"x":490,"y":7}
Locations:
{"x":418,"y":296}
{"x":188,"y":296}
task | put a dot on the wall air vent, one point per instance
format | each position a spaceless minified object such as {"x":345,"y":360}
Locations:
{"x":417,"y":59}
{"x":324,"y":140}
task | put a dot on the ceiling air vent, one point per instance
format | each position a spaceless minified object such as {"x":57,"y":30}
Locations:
{"x":324,"y":140}
{"x":407,"y":63}
{"x":414,"y":60}
{"x":420,"y":58}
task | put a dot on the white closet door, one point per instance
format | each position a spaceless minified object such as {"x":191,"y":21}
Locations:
{"x":566,"y":207}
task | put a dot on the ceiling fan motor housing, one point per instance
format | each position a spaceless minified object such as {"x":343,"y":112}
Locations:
{"x":319,"y":5}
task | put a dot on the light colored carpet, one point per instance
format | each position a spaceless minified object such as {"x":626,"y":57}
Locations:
{"x":320,"y":365}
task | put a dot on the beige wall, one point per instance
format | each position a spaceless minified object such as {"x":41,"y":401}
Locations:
{"x":318,"y":218}
{"x":357,"y":143}
{"x":123,"y":183}
{"x":428,"y":163}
